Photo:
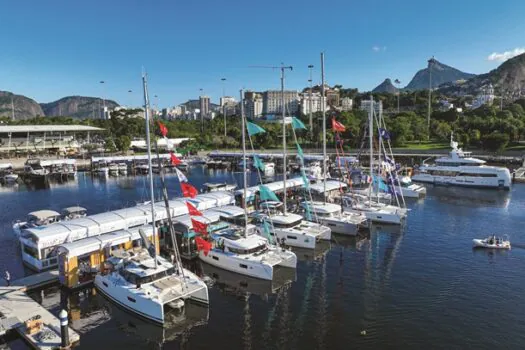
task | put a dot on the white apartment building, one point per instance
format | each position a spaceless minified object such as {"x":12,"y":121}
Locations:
{"x":378,"y":106}
{"x":314,"y":104}
{"x":272,"y":101}
{"x":347,"y":104}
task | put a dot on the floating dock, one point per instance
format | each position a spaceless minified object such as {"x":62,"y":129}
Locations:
{"x":19,"y":312}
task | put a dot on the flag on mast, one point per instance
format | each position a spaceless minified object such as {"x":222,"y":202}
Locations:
{"x":336,"y":126}
{"x":181,"y":176}
{"x":174,"y":160}
{"x":188,"y":190}
{"x":192,"y":210}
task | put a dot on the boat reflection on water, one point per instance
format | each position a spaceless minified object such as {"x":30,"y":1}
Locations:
{"x":471,"y":197}
{"x":322,"y":247}
{"x":239,"y":285}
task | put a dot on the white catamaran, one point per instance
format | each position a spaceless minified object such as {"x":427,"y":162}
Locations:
{"x":143,"y":282}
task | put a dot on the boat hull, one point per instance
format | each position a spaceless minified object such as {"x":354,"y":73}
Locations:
{"x":482,"y":243}
{"x":234,"y":263}
{"x":340,"y":227}
{"x":494,"y":183}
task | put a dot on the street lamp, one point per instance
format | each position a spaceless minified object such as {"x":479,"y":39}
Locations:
{"x":202,"y":117}
{"x":398,"y":83}
{"x":130,"y":92}
{"x":430,"y":63}
{"x":223,"y":106}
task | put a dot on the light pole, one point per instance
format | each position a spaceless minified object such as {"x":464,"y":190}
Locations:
{"x":131,"y":98}
{"x":398,"y":83}
{"x":201,"y":112}
{"x":310,"y":67}
{"x":223,"y":106}
{"x":103,"y":100}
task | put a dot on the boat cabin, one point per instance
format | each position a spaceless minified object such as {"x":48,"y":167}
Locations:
{"x":80,"y":261}
{"x":70,"y":213}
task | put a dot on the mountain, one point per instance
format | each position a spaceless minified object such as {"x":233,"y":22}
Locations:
{"x":386,"y":86}
{"x":441,"y":74}
{"x":77,"y":107}
{"x":24,"y":107}
{"x":508,"y":78}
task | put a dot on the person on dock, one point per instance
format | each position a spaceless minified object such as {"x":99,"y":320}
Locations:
{"x":7,"y":278}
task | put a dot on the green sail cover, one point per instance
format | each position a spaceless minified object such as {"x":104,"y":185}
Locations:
{"x":258,"y":163}
{"x":297,"y":124}
{"x":254,"y":129}
{"x":307,"y":211}
{"x":266,"y":194}
{"x":300,"y":153}
{"x":267,"y":232}
{"x":306,"y":182}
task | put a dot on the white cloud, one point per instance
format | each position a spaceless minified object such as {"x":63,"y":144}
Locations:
{"x":503,"y":56}
{"x":377,"y":48}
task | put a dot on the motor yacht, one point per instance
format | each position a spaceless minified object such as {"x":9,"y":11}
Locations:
{"x":122,"y":168}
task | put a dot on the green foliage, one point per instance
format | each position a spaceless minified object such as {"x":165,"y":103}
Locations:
{"x":109,"y":144}
{"x":123,"y":143}
{"x":495,"y":142}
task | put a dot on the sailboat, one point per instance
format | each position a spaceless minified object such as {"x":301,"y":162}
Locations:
{"x":143,"y":282}
{"x":288,"y":228}
{"x":240,"y":249}
{"x":328,"y":214}
{"x":374,"y":211}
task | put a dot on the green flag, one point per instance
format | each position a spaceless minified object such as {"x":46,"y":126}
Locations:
{"x":300,"y":153}
{"x":306,"y":182}
{"x":297,"y":124}
{"x":266,"y":194}
{"x":258,"y":163}
{"x":254,"y":129}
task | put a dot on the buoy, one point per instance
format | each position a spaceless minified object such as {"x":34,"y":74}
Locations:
{"x":363,"y":332}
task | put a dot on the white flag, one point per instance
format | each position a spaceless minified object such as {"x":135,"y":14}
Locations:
{"x":181,"y":176}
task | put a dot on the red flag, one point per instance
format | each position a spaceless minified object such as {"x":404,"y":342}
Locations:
{"x":199,"y":227}
{"x":163,"y":130}
{"x":188,"y":190}
{"x":203,"y":245}
{"x":336,"y":126}
{"x":174,"y":159}
{"x":192,"y":210}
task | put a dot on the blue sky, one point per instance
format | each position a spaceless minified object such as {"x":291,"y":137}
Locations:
{"x":56,"y":48}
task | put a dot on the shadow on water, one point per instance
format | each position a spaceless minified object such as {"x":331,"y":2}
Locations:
{"x":470,"y":197}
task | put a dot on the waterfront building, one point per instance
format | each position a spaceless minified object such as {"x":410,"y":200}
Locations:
{"x":272,"y":101}
{"x":315,"y":102}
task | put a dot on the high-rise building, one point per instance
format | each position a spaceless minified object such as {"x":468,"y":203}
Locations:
{"x":272,"y":102}
{"x":227,"y":100}
{"x":332,"y":97}
{"x":315,"y":103}
{"x":346,"y":104}
{"x":204,"y":103}
{"x":253,"y":104}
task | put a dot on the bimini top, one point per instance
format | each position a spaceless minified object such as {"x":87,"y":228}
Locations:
{"x":330,"y":186}
{"x":73,"y":210}
{"x":92,"y":244}
{"x":228,"y":211}
{"x":212,"y":200}
{"x":43,"y":214}
{"x":272,"y":186}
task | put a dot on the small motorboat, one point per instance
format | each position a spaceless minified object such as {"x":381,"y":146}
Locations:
{"x":492,"y":242}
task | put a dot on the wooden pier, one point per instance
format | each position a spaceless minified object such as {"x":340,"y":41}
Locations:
{"x":21,"y":313}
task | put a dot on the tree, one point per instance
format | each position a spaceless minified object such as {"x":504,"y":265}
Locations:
{"x":110,"y":145}
{"x":443,"y":131}
{"x":517,"y":110}
{"x":495,"y":142}
{"x":123,"y":143}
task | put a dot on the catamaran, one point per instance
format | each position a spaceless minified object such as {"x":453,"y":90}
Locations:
{"x":460,"y":169}
{"x":143,"y":282}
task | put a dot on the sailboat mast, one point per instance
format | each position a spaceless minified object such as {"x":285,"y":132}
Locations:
{"x":323,"y":107}
{"x":371,"y":143}
{"x":284,"y":139}
{"x":245,"y":181}
{"x":150,"y":172}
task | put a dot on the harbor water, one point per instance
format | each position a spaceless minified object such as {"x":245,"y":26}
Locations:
{"x":418,"y":286}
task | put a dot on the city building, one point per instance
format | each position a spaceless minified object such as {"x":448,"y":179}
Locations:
{"x":332,"y":97}
{"x":204,"y":103}
{"x":378,"y":106}
{"x":347,"y":104}
{"x":272,"y":102}
{"x":315,"y":103}
{"x":253,"y":104}
{"x":227,"y":100}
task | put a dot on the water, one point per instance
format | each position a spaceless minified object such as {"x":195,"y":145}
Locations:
{"x":421,"y":286}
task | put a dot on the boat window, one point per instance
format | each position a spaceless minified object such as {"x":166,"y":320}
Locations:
{"x":478,"y":175}
{"x":31,"y":251}
{"x":442,"y":173}
{"x":261,"y":248}
{"x":215,"y":258}
{"x":291,"y":237}
{"x":243,"y":266}
{"x":132,"y":300}
{"x":287,"y":225}
{"x":46,"y":253}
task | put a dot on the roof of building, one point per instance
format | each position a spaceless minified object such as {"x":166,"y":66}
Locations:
{"x":46,"y":128}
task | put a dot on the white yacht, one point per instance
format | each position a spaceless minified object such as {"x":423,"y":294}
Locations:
{"x":409,"y":189}
{"x":215,"y":187}
{"x":113,"y":169}
{"x":332,"y":216}
{"x":314,"y":171}
{"x":103,"y":169}
{"x":246,"y":253}
{"x":35,"y":219}
{"x":374,"y":212}
{"x":7,"y":175}
{"x":122,"y":168}
{"x":460,"y":169}
{"x":290,"y":228}
{"x":135,"y":282}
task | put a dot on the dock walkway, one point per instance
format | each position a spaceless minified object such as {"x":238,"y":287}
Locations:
{"x":16,"y":307}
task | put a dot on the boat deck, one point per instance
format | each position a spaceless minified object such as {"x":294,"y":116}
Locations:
{"x":16,"y":307}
